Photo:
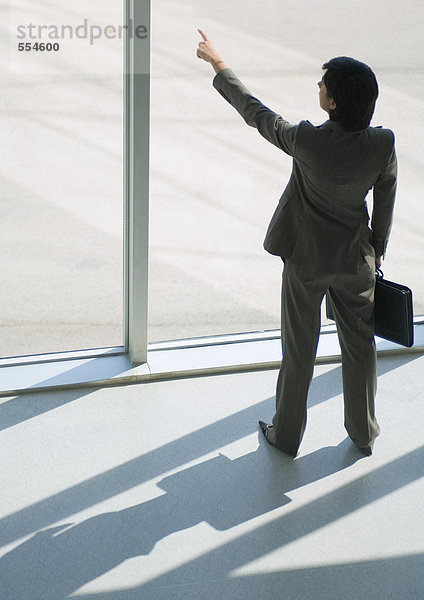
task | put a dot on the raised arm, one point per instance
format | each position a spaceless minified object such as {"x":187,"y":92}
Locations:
{"x":269,"y":124}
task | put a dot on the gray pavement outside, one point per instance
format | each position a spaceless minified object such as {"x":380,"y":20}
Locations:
{"x":214,"y":181}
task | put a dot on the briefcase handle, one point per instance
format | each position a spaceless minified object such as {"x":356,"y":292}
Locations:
{"x":379,"y":274}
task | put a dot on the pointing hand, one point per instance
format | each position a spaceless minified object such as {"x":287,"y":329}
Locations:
{"x":207,"y":52}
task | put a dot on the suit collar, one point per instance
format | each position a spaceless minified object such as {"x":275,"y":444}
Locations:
{"x":334,"y":125}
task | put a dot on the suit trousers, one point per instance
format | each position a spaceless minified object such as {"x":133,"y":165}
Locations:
{"x":352,"y":298}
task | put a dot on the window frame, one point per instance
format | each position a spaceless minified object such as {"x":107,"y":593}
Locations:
{"x":136,"y":360}
{"x":136,"y":181}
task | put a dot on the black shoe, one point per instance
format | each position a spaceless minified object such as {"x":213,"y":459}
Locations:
{"x":265,"y":428}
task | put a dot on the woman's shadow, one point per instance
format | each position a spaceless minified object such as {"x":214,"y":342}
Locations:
{"x":222,"y":492}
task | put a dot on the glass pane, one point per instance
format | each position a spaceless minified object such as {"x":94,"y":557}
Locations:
{"x":61,"y":161}
{"x":215,"y":182}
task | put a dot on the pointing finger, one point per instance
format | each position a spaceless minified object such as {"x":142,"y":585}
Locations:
{"x":203,"y":34}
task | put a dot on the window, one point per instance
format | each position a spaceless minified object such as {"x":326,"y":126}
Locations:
{"x":215,"y":182}
{"x":62,"y":156}
{"x":212,"y":183}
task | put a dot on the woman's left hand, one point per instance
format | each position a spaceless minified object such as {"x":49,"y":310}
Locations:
{"x":207,"y":52}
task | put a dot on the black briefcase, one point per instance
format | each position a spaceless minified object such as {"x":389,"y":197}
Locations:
{"x":393,"y":311}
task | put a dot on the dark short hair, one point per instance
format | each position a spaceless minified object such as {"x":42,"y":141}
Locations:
{"x":353,"y":87}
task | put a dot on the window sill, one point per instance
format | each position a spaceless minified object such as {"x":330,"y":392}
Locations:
{"x":168,"y":360}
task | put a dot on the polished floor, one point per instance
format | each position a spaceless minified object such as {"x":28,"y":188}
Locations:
{"x":167,"y":490}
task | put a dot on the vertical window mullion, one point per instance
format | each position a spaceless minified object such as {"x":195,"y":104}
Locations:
{"x":137,"y":111}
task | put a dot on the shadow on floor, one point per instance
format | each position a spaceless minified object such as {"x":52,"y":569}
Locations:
{"x":224,"y":493}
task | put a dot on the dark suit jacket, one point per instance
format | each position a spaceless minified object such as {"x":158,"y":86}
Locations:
{"x":322,"y":219}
